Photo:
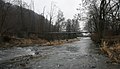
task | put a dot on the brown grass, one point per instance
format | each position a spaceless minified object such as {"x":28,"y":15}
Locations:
{"x":56,"y":42}
{"x":30,"y":41}
{"x":111,"y":49}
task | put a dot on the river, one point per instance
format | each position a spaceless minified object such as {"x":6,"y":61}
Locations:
{"x":83,"y":54}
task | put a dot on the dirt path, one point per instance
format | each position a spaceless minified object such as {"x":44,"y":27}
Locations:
{"x":81,"y":54}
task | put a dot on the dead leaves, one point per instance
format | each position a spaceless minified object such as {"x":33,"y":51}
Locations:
{"x":113,"y":51}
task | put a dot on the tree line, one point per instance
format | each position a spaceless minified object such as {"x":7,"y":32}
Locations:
{"x":19,"y":21}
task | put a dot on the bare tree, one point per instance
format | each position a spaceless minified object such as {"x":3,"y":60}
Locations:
{"x":69,"y":25}
{"x":52,"y":15}
{"x":60,"y":19}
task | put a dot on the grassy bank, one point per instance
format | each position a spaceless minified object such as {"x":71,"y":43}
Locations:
{"x":111,"y":47}
{"x":23,"y":42}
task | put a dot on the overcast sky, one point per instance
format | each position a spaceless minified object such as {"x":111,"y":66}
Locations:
{"x":67,"y":6}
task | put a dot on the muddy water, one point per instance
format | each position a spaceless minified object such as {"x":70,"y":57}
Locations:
{"x":83,"y":54}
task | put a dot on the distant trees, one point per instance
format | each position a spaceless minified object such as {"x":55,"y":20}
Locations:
{"x":69,"y":25}
{"x":72,"y":25}
{"x":75,"y":24}
{"x":59,"y":22}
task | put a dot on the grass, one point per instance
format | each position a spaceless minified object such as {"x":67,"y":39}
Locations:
{"x":111,"y":47}
{"x":24,"y":42}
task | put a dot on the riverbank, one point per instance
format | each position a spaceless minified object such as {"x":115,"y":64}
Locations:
{"x":23,"y":42}
{"x":111,"y":47}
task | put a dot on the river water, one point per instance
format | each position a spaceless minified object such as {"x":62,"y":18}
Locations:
{"x":83,"y":54}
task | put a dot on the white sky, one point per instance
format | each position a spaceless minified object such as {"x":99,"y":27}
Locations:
{"x":67,"y":6}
